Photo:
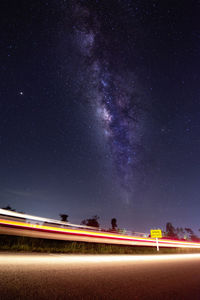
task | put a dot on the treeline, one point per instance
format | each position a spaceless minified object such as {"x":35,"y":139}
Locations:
{"x":180,"y":233}
{"x":93,"y":222}
{"x":170,"y":232}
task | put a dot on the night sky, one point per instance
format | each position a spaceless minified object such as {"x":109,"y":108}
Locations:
{"x":100,"y":110}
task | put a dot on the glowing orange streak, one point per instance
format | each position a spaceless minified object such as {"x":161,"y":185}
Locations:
{"x":141,"y":240}
{"x":73,"y":231}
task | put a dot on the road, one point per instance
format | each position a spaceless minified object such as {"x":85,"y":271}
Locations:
{"x":42,"y":276}
{"x":19,"y":224}
{"x":10,"y":227}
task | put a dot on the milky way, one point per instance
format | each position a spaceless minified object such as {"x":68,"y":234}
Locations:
{"x":112,"y":94}
{"x":100,"y":110}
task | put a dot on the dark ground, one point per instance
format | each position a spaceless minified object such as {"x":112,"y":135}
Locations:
{"x":51,"y":276}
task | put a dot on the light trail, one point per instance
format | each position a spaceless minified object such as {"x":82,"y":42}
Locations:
{"x":77,"y":259}
{"x":15,"y":214}
{"x":65,"y":276}
{"x":16,"y":224}
{"x":89,"y":236}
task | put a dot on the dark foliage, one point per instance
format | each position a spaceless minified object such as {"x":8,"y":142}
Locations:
{"x":91,"y":222}
{"x":64,"y":217}
{"x":114,"y":223}
{"x":171,"y":231}
{"x":8,"y":207}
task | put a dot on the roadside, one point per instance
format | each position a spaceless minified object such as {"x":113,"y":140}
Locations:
{"x":28,"y":244}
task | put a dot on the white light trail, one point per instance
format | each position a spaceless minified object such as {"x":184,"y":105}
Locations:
{"x":78,"y":259}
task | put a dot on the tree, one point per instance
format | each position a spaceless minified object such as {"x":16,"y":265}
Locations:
{"x":191,"y":235}
{"x":170,"y":230}
{"x":8,"y":207}
{"x":180,"y":233}
{"x":189,"y":232}
{"x":64,"y":217}
{"x":114,"y":224}
{"x":91,"y":222}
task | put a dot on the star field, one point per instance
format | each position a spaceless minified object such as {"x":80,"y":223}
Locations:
{"x":100,"y":110}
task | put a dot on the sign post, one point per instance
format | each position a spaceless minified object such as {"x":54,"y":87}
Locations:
{"x":157,"y":244}
{"x":156,"y":233}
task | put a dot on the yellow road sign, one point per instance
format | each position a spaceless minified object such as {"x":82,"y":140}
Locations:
{"x":156,"y":233}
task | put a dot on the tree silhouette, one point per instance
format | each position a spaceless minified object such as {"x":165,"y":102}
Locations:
{"x":64,"y":217}
{"x":180,"y":232}
{"x":91,"y":222}
{"x":191,"y":234}
{"x":114,"y":224}
{"x":170,"y":230}
{"x":8,"y":207}
{"x":189,"y":231}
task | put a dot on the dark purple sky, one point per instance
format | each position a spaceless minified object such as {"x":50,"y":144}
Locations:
{"x":100,"y":110}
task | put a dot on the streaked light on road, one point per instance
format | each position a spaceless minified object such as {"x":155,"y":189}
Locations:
{"x":68,"y":259}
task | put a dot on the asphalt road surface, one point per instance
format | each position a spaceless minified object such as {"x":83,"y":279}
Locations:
{"x":50,"y":276}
